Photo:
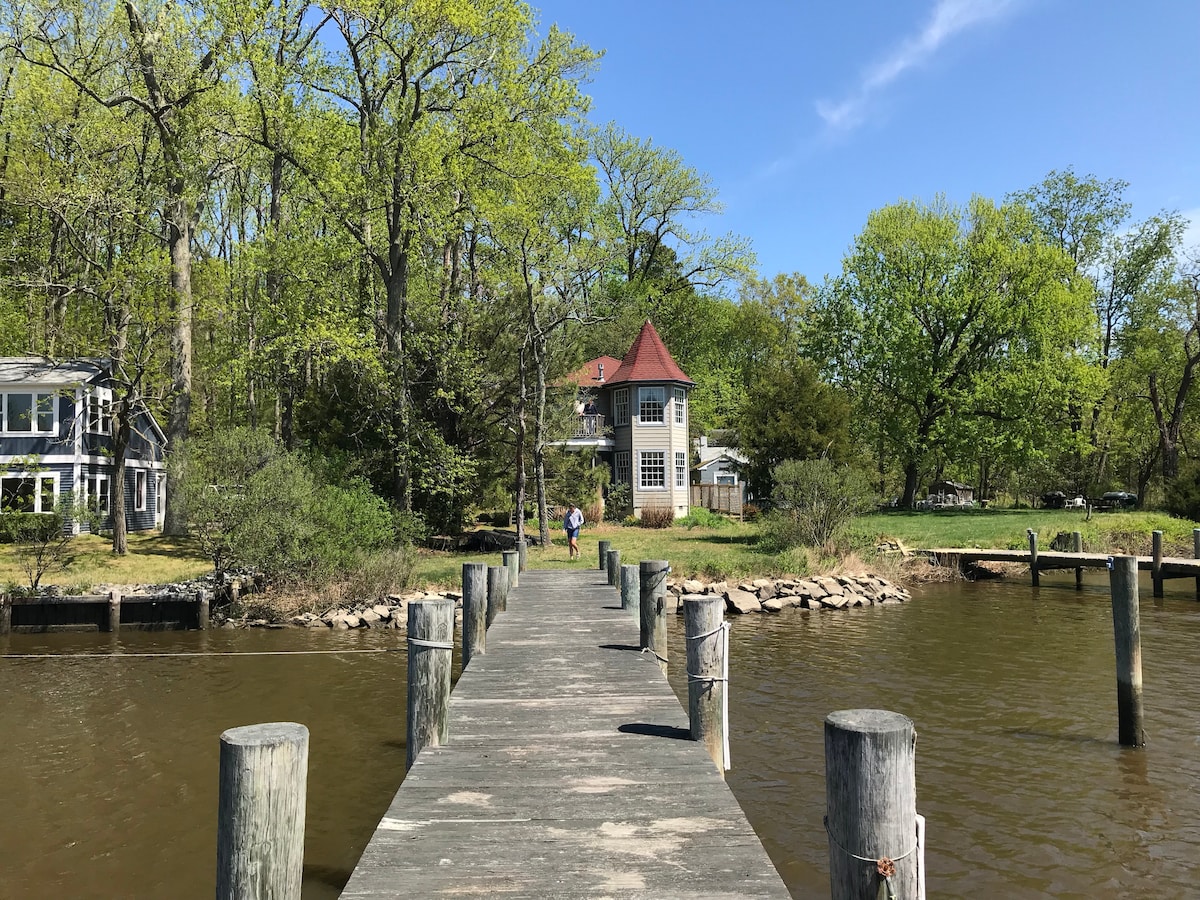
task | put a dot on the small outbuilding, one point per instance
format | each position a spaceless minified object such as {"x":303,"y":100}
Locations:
{"x":951,"y":492}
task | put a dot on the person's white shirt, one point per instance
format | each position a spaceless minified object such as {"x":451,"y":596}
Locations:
{"x":574,"y":519}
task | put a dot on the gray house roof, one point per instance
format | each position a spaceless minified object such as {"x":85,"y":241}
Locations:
{"x":37,"y":370}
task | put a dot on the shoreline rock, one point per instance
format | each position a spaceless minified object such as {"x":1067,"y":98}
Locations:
{"x":775,"y":595}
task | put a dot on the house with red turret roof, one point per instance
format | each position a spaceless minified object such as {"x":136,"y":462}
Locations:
{"x":633,"y":414}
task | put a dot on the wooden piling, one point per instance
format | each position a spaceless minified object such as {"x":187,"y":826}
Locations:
{"x":1123,"y":583}
{"x":260,"y":811}
{"x":871,"y":804}
{"x":1156,"y":578}
{"x":203,"y":610}
{"x":631,"y":592}
{"x":430,"y":657}
{"x":652,"y":578}
{"x":6,"y":613}
{"x":497,"y":592}
{"x":1196,"y":555}
{"x":512,"y":562}
{"x":604,"y":546}
{"x":613,"y":568}
{"x":475,"y":605}
{"x":1077,"y":546}
{"x":522,"y":555}
{"x":707,"y":673}
{"x":114,"y":611}
{"x":1033,"y":557}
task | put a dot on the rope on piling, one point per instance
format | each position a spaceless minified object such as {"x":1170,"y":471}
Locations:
{"x":723,"y":629}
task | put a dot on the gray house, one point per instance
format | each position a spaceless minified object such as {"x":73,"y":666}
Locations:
{"x":56,"y":438}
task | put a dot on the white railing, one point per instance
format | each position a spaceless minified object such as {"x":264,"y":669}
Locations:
{"x":589,"y":426}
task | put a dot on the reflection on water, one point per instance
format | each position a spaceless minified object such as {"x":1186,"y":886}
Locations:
{"x":110,"y":765}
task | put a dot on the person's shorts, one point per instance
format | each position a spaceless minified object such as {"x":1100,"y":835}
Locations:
{"x":572,"y":533}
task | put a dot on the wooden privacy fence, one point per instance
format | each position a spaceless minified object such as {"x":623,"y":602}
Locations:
{"x":722,"y":498}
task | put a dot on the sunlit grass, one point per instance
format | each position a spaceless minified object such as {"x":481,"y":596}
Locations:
{"x":152,"y":559}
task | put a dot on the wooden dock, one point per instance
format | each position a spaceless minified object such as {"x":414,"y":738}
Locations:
{"x":1172,"y":566}
{"x":569,"y":772}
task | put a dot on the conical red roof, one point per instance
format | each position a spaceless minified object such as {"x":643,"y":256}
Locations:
{"x":648,"y":360}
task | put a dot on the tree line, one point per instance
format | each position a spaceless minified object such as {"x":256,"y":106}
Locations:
{"x":386,"y":231}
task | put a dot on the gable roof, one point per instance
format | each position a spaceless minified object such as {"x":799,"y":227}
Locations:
{"x":648,"y":360}
{"x":588,"y":375}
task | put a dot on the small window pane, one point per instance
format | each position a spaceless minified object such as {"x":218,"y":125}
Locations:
{"x":17,"y":494}
{"x":650,"y":405}
{"x":652,"y":469}
{"x":45,"y":412}
{"x":621,"y":473}
{"x":621,"y":407}
{"x":20,"y":412}
{"x":47,"y":497}
{"x":680,"y":470}
{"x":680,"y":405}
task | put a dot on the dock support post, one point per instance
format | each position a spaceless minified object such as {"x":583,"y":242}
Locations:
{"x":1033,"y":557}
{"x":114,"y":611}
{"x":474,"y":629}
{"x":605,"y":546}
{"x":203,"y":610}
{"x":430,"y":657}
{"x":1077,"y":546}
{"x":522,"y":554}
{"x":708,"y":674}
{"x":1123,"y":582}
{"x":1156,"y":578}
{"x":652,"y":577}
{"x":6,"y":613}
{"x":613,"y":568}
{"x":631,"y":592}
{"x":260,"y":811}
{"x":871,"y":804}
{"x":1196,"y":554}
{"x":513,"y":564}
{"x":497,"y":592}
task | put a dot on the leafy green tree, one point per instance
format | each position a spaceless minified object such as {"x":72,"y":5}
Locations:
{"x":816,"y":498}
{"x":943,"y":316}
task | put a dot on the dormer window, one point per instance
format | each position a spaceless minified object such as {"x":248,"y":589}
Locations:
{"x":99,"y":408}
{"x":651,"y":403}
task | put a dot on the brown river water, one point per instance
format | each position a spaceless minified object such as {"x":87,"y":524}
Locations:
{"x":108,"y":766}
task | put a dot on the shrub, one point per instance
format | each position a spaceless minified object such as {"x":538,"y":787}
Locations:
{"x":619,"y":503}
{"x":1183,"y":493}
{"x":43,"y":542}
{"x":376,"y":576}
{"x":658,"y":516}
{"x":816,"y":499}
{"x":702,"y":518}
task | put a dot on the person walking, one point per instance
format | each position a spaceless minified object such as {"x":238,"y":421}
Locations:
{"x":571,"y":524}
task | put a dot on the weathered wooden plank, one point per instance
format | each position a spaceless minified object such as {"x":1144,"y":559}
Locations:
{"x":569,"y":772}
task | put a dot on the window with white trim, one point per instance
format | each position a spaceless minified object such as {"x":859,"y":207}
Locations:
{"x":652,"y":469}
{"x":651,"y":401}
{"x":621,"y":467}
{"x":160,"y":495}
{"x":680,"y":469}
{"x":139,"y":490}
{"x":28,"y":412}
{"x":99,"y":409}
{"x":621,"y":407}
{"x":97,"y":493}
{"x":28,"y":493}
{"x":680,"y":406}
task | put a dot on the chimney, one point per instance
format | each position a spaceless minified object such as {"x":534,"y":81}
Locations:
{"x":600,"y":367}
{"x":703,"y":442}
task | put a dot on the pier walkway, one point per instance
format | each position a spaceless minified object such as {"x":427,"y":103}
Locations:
{"x":568,"y":772}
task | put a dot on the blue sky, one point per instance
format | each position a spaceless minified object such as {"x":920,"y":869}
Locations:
{"x":808,"y":115}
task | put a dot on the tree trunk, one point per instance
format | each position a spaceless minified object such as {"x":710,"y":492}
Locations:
{"x":179,"y":229}
{"x":911,"y":476}
{"x":539,"y":443}
{"x":520,"y":451}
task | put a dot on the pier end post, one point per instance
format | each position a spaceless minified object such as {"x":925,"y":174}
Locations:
{"x":613,"y":568}
{"x":707,"y":673}
{"x":871,"y":804}
{"x":430,"y":658}
{"x":513,"y":563}
{"x":1156,"y":577}
{"x":475,"y":605}
{"x":652,"y":577}
{"x":114,"y":611}
{"x":1123,"y":582}
{"x":6,"y":613}
{"x":203,"y":610}
{"x":522,"y":554}
{"x":1033,"y":557}
{"x":260,"y":811}
{"x":1077,"y":546}
{"x":1196,"y":554}
{"x":604,"y":547}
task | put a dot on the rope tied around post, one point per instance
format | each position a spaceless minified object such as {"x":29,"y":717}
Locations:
{"x":651,"y":651}
{"x":723,"y":678}
{"x":885,"y":866}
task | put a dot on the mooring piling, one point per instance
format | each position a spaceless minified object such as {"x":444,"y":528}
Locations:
{"x":1196,"y":555}
{"x":1156,"y":573}
{"x":652,"y":577}
{"x":522,"y":554}
{"x":512,"y":562}
{"x":114,"y":611}
{"x":6,"y":613}
{"x":1033,"y":557}
{"x":497,"y":592}
{"x":1127,"y":638}
{"x":475,"y":604}
{"x":613,"y":568}
{"x":1077,"y":546}
{"x":263,"y":783}
{"x":706,"y":637}
{"x":631,"y":591}
{"x":871,"y":804}
{"x":603,"y":547}
{"x":430,"y":658}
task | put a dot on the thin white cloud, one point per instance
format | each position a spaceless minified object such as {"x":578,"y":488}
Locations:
{"x":1191,"y":235}
{"x":950,"y":17}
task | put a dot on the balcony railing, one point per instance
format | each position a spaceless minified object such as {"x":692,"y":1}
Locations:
{"x":590,"y":426}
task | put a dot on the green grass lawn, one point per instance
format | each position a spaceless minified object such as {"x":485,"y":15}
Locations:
{"x":152,"y":559}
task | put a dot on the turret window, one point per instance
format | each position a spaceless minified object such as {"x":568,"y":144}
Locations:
{"x":651,"y":401}
{"x":680,"y":406}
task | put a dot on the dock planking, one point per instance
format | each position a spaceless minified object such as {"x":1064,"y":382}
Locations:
{"x":1172,"y":566}
{"x":569,"y":772}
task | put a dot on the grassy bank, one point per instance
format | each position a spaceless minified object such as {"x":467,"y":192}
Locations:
{"x":152,"y":559}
